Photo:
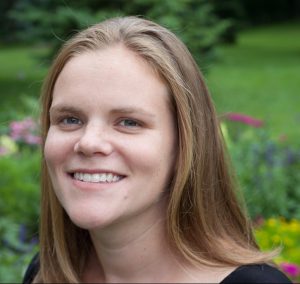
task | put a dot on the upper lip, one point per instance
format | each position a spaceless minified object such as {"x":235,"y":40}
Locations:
{"x":95,"y":171}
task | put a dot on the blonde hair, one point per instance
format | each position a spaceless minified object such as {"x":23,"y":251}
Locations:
{"x":206,"y":222}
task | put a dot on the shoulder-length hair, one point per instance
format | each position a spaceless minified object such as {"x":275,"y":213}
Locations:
{"x":206,"y":222}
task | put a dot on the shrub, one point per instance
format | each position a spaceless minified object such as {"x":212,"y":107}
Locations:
{"x":19,"y":203}
{"x":19,"y":185}
{"x":268,"y":171}
{"x":196,"y":22}
{"x":20,"y":172}
{"x":17,"y":249}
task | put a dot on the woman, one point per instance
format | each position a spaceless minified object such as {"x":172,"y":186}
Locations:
{"x":136,"y":185}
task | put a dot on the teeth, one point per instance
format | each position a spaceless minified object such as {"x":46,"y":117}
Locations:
{"x":103,"y":177}
{"x":109,"y":177}
{"x":87,"y":177}
{"x":95,"y":178}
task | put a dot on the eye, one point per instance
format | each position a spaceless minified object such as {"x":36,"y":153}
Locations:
{"x":71,"y":120}
{"x":129,"y":123}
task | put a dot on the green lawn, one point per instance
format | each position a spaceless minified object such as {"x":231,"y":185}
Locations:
{"x":21,"y":74}
{"x":260,"y":76}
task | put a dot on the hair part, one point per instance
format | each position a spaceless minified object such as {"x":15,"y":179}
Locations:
{"x":206,"y":222}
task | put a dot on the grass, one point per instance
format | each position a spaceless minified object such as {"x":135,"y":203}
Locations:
{"x":259,"y":76}
{"x":21,"y":74}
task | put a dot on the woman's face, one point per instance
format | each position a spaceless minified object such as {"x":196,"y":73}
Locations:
{"x":111,"y":145}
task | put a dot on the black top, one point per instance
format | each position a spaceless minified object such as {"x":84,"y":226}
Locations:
{"x":256,"y":273}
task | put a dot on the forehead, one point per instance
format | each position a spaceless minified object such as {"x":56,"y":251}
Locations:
{"x":115,"y":72}
{"x":108,"y":63}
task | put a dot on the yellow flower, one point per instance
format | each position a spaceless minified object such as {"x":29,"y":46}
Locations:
{"x":295,"y":226}
{"x":8,"y":144}
{"x":276,"y":239}
{"x":272,"y":222}
{"x":226,"y":136}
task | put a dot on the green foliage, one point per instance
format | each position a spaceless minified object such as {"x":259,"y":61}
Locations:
{"x":44,"y":28}
{"x":16,"y":251}
{"x":20,"y":168}
{"x":268,"y":172}
{"x":19,"y":185}
{"x":258,"y":12}
{"x":194,"y":21}
{"x":19,"y":203}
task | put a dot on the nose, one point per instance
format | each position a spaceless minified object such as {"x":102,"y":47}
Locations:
{"x":94,"y":140}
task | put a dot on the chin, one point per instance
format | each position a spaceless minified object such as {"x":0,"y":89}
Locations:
{"x":86,"y":221}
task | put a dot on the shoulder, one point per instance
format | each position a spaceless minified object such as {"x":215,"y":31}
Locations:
{"x":32,"y":270}
{"x":256,"y":273}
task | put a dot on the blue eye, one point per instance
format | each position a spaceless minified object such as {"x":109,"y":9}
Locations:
{"x":129,"y":123}
{"x":71,"y":120}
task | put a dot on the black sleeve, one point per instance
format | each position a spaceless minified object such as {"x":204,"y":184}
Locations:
{"x":32,"y":270}
{"x":262,"y":273}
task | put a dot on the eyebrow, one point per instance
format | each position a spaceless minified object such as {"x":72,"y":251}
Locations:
{"x":63,"y":108}
{"x":131,"y":110}
{"x":122,"y":110}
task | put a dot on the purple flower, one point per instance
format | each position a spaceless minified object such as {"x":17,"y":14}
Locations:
{"x":34,"y":240}
{"x":22,"y":233}
{"x":244,"y":119}
{"x":291,"y":269}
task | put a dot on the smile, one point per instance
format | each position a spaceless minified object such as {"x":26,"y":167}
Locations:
{"x":97,"y":178}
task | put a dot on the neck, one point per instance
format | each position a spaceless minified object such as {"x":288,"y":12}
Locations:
{"x":134,"y":253}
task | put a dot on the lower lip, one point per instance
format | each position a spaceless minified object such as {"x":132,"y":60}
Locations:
{"x":93,"y":185}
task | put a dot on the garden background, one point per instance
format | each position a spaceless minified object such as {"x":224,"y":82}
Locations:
{"x":249,"y":52}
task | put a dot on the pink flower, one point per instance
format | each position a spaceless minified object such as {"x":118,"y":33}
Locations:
{"x":23,"y":131}
{"x":244,"y":119}
{"x":32,"y":139}
{"x":19,"y":129}
{"x":291,"y":269}
{"x":3,"y":151}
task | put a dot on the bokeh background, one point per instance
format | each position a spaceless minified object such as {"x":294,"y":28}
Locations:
{"x":249,"y":53}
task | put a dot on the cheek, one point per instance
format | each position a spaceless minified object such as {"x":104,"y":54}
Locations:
{"x":56,"y":148}
{"x":50,"y":151}
{"x":154,"y":157}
